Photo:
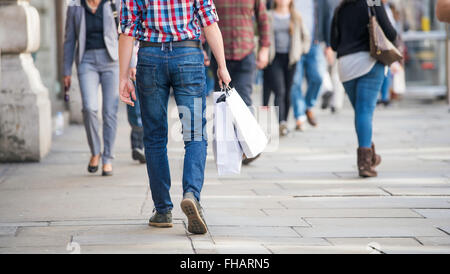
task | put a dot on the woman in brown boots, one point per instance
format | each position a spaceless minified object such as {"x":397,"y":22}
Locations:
{"x":361,"y":75}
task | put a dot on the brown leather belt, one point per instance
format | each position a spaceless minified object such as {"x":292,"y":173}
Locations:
{"x":177,"y":44}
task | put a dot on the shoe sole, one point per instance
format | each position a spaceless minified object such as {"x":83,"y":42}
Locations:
{"x":196,"y":225}
{"x":161,"y":225}
{"x":368,"y":175}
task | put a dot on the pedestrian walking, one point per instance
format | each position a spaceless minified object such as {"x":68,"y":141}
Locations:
{"x":237,"y":22}
{"x":134,"y":115}
{"x":170,"y":56}
{"x":314,"y":15}
{"x":91,"y":40}
{"x":361,"y":74}
{"x":289,"y":41}
{"x":334,"y":97}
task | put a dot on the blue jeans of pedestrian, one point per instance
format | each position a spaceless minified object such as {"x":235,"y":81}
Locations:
{"x":159,"y":70}
{"x":135,"y":121}
{"x":385,"y":95}
{"x":309,"y":66}
{"x":363,"y":93}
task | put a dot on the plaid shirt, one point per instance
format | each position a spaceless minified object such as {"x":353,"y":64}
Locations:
{"x":237,"y":18}
{"x":166,"y":20}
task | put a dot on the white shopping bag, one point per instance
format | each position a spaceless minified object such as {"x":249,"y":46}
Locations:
{"x":227,"y":151}
{"x":399,"y":82}
{"x":251,"y":137}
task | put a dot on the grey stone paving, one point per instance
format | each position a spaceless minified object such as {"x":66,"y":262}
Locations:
{"x":303,"y":198}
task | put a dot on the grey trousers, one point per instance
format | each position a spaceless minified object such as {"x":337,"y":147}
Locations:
{"x":97,"y":68}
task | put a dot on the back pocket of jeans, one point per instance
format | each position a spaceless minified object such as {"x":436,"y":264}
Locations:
{"x":192,"y":78}
{"x":146,"y":78}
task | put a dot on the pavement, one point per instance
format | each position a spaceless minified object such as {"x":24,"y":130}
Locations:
{"x":305,"y":197}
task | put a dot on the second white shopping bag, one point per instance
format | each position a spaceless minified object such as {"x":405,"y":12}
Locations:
{"x":250,"y":134}
{"x":227,"y":151}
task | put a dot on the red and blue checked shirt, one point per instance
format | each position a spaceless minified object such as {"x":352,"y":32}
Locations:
{"x":166,"y":20}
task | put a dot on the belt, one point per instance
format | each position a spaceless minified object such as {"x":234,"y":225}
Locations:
{"x":176,"y":44}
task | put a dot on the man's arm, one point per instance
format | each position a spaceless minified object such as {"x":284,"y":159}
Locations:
{"x":215,"y":42}
{"x":207,"y":15}
{"x":264,"y":36}
{"x":443,"y":10}
{"x":126,"y":88}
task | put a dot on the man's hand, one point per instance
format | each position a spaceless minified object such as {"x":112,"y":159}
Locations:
{"x":329,"y":54}
{"x":224,"y":77}
{"x":126,"y":92}
{"x":263,"y":58}
{"x":132,"y":73}
{"x":67,"y":82}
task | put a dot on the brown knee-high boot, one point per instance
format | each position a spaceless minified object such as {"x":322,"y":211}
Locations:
{"x":376,"y":159}
{"x":365,"y":158}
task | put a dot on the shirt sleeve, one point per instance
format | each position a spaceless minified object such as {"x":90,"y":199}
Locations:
{"x":130,"y":18}
{"x":263,"y":23}
{"x":206,"y":12}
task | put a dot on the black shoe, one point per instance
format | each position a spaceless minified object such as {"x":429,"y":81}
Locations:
{"x":191,"y":207}
{"x":107,"y":173}
{"x":326,"y":98}
{"x":247,"y":161}
{"x":161,"y":220}
{"x":92,"y":169}
{"x":139,"y":155}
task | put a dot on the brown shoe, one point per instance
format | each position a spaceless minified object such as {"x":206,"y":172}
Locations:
{"x":376,"y":159}
{"x":365,"y":168}
{"x":311,"y":119}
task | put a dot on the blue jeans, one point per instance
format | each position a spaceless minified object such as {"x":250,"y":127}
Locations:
{"x":385,"y":96}
{"x":309,"y":65}
{"x":135,"y":121}
{"x":363,"y":93}
{"x":157,"y":71}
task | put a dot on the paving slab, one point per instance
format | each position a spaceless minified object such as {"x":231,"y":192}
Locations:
{"x":345,"y":213}
{"x":8,"y":230}
{"x":252,"y":231}
{"x":374,"y":242}
{"x":367,"y":202}
{"x":434,"y":213}
{"x":427,"y":241}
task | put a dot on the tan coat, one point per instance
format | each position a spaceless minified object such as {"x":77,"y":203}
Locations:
{"x":300,"y":41}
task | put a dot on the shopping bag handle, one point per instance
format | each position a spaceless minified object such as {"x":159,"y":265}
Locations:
{"x":223,"y":97}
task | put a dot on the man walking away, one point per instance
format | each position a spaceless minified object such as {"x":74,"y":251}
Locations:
{"x":170,"y":56}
